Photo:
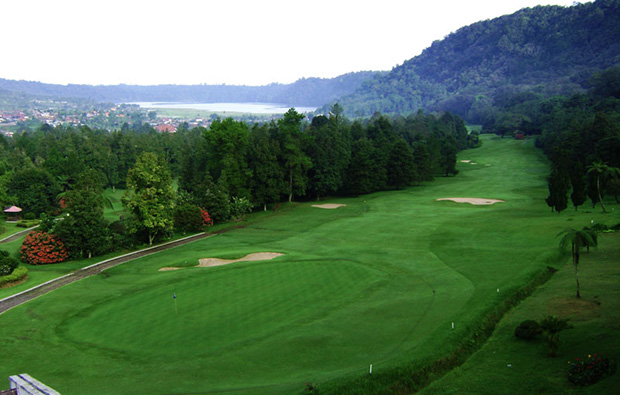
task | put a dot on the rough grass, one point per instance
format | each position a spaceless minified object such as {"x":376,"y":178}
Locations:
{"x":509,"y":365}
{"x":379,"y":281}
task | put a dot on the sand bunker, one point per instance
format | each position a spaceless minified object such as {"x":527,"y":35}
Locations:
{"x":258,"y":256}
{"x":168,"y":268}
{"x":209,"y":262}
{"x":329,"y":206}
{"x":475,"y":201}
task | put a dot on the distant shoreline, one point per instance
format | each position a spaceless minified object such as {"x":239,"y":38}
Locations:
{"x":250,"y":108}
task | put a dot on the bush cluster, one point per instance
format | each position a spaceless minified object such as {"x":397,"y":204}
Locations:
{"x":7,"y":264}
{"x":40,"y":248}
{"x":528,"y":330}
{"x":27,"y":223}
{"x":589,"y":369}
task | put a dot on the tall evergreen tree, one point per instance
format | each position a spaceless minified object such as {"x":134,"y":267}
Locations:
{"x":294,"y":159}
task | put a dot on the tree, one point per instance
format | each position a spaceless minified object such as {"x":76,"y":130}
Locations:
{"x":558,"y":183}
{"x":330,"y":152}
{"x":84,"y":230}
{"x":401,"y":166}
{"x":150,"y":196}
{"x":227,"y":148}
{"x":577,"y":240}
{"x":423,"y":163}
{"x":362,"y":169}
{"x":35,"y":190}
{"x":267,"y":182}
{"x":601,"y":170}
{"x":448,"y":153}
{"x":295,"y":161}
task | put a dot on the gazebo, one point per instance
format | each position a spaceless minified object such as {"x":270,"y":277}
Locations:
{"x":13,"y":213}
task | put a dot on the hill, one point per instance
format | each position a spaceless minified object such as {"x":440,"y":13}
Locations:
{"x":547,"y":49}
{"x":304,"y":92}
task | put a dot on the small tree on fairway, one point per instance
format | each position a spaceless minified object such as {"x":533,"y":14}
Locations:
{"x":577,"y":239}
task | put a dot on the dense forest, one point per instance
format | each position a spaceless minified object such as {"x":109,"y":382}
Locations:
{"x":549,"y":50}
{"x":304,"y":92}
{"x":580,"y":134}
{"x":225,"y":171}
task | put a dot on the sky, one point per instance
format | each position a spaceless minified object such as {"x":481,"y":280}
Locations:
{"x":234,"y":42}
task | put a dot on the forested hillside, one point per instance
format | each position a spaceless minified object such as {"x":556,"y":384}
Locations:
{"x":547,"y":50}
{"x":304,"y":92}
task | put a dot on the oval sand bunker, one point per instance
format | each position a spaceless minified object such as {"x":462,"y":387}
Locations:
{"x":329,"y":206}
{"x":475,"y":201}
{"x":209,"y":262}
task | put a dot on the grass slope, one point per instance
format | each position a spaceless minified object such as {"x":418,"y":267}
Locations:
{"x":509,"y":365}
{"x":378,"y":281}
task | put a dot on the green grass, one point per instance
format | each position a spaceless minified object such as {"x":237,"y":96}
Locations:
{"x":509,"y":365}
{"x":10,"y":228}
{"x":379,"y":281}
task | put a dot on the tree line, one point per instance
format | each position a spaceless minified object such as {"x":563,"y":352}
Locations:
{"x":580,"y":135}
{"x":225,"y":170}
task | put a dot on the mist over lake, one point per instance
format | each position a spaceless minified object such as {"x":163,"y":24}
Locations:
{"x":251,"y":108}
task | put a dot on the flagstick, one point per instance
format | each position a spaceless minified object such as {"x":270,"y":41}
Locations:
{"x":176,"y":310}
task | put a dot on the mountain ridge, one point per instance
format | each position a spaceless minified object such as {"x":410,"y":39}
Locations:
{"x":548,"y":49}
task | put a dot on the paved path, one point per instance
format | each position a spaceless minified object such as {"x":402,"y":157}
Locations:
{"x":34,"y":292}
{"x":17,"y":235}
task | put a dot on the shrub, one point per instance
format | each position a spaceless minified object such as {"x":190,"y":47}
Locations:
{"x":121,"y":238}
{"x":528,"y":330}
{"x":589,"y":370}
{"x":188,"y":218}
{"x":2,"y":229}
{"x":598,"y":227}
{"x":551,"y":327}
{"x":239,"y":207}
{"x":18,"y":274}
{"x":29,"y":216}
{"x":206,"y":218}
{"x":40,"y":248}
{"x":7,"y":264}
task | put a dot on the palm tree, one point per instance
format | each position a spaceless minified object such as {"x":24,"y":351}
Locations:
{"x":602,"y":170}
{"x":577,"y":239}
{"x":551,"y":327}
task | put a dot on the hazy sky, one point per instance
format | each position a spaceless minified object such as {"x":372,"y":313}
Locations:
{"x":252,"y":42}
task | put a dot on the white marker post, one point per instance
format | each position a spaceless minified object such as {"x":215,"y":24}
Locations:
{"x":453,"y":325}
{"x":370,"y":369}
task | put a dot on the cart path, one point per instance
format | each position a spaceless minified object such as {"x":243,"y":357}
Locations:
{"x":41,"y":289}
{"x":17,"y":235}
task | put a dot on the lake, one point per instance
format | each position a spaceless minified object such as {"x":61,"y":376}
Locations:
{"x":250,"y":108}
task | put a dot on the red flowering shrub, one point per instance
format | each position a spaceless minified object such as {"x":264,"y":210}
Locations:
{"x":40,"y":248}
{"x":206,"y":218}
{"x":589,"y":369}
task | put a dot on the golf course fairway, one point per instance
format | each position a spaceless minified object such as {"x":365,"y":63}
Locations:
{"x":379,"y":280}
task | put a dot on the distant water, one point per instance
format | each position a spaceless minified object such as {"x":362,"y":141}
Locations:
{"x":250,"y":108}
